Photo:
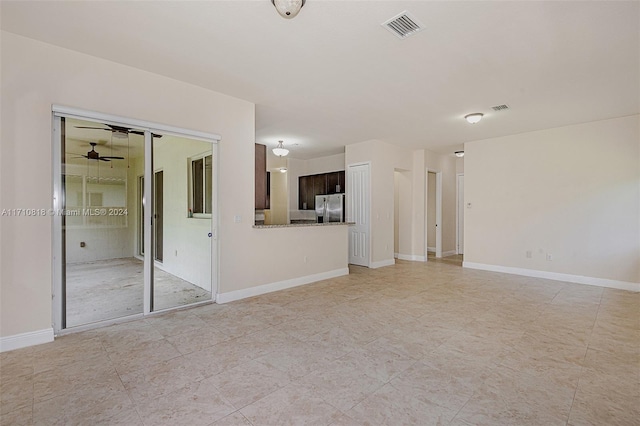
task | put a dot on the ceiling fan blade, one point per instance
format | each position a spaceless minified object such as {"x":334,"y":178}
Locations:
{"x":112,"y":158}
{"x":103,"y":159}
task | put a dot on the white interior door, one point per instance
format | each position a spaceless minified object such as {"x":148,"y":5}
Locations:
{"x":460,"y":214}
{"x":358,"y":206}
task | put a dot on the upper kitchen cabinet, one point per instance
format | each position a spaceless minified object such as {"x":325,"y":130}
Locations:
{"x":335,"y":182}
{"x":261,"y":186}
{"x":320,"y":184}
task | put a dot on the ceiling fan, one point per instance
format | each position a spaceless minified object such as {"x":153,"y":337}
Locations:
{"x":118,"y":131}
{"x":94,"y":155}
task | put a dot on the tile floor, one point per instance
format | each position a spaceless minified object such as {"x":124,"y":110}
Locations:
{"x":113,"y":288}
{"x":414,"y":343}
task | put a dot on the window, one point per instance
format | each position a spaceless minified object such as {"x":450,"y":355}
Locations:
{"x":201,"y":181}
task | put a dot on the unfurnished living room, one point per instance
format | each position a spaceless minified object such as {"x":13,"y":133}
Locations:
{"x":320,"y":212}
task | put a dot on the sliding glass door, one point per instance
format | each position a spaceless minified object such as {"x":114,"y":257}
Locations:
{"x":182,"y":221}
{"x":134,"y":219}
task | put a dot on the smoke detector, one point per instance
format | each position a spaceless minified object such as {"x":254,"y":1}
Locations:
{"x":403,"y":25}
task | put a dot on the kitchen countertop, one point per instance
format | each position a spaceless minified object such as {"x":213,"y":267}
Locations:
{"x":298,"y":225}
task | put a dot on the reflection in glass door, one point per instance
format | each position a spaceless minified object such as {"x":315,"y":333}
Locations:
{"x":134,"y":220}
{"x":183,"y":197}
{"x":103,"y":273}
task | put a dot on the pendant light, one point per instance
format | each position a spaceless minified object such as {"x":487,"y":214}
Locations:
{"x":280,"y":150}
{"x":288,"y":8}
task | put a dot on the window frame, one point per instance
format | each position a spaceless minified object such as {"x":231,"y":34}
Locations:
{"x":191,"y":213}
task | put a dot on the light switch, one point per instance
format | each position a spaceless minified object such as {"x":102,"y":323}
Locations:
{"x":237,"y":218}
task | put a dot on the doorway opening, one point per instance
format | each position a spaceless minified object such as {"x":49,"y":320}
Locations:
{"x":433,"y":214}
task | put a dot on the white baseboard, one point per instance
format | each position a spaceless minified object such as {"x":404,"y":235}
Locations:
{"x":449,"y":253}
{"x":412,"y":257}
{"x":279,"y":285}
{"x":22,"y":340}
{"x":395,"y":255}
{"x":578,"y":279}
{"x":431,"y":249}
{"x":382,"y":263}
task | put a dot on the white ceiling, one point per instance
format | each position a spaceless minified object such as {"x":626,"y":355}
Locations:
{"x":333,"y":76}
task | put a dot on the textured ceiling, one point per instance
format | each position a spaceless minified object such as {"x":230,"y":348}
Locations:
{"x":333,"y":76}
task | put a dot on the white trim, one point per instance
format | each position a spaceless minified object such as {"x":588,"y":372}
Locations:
{"x":382,"y":263}
{"x":431,"y":249}
{"x":578,"y":279}
{"x":412,"y":257}
{"x":449,"y":253}
{"x":24,"y":340}
{"x":279,"y":285}
{"x":81,"y":114}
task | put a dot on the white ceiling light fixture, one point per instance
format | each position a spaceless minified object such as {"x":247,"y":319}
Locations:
{"x":474,"y":118}
{"x":280,"y":150}
{"x":288,"y":8}
{"x":459,"y":154}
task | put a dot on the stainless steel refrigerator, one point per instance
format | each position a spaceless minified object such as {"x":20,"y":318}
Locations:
{"x":330,"y":208}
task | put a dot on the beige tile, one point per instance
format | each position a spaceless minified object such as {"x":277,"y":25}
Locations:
{"x":381,"y":359}
{"x":88,"y":377}
{"x":248,"y":382}
{"x":298,"y":360}
{"x":175,"y":323}
{"x":135,"y":357}
{"x":603,"y":399}
{"x":198,"y":403}
{"x":20,"y":417}
{"x":388,"y":406}
{"x":343,"y":383}
{"x":122,"y":336}
{"x":432,"y":385}
{"x":106,"y":405}
{"x":485,"y":347}
{"x":196,"y":340}
{"x":233,"y":419}
{"x":61,"y":354}
{"x":16,"y":392}
{"x":160,"y":379}
{"x":292,"y":405}
{"x":509,"y":397}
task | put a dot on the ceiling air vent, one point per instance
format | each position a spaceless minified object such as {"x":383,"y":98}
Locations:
{"x":500,"y":107}
{"x":403,"y":25}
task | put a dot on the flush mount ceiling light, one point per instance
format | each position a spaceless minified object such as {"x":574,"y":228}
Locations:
{"x":280,"y":150}
{"x":288,"y":8}
{"x":459,"y":153}
{"x":474,"y":118}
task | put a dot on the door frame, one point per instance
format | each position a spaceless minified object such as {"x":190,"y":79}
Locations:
{"x":58,"y":244}
{"x":459,"y":211}
{"x":438,"y":212}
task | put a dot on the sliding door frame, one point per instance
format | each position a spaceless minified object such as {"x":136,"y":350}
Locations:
{"x":59,"y":114}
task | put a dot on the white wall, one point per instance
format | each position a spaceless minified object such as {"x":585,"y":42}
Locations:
{"x":385,"y":159}
{"x":36,"y":75}
{"x":186,"y":243}
{"x":572,"y":192}
{"x":446,"y":164}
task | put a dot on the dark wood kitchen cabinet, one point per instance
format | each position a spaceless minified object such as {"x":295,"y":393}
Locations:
{"x":312,"y":185}
{"x":335,"y":183}
{"x":261,"y":184}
